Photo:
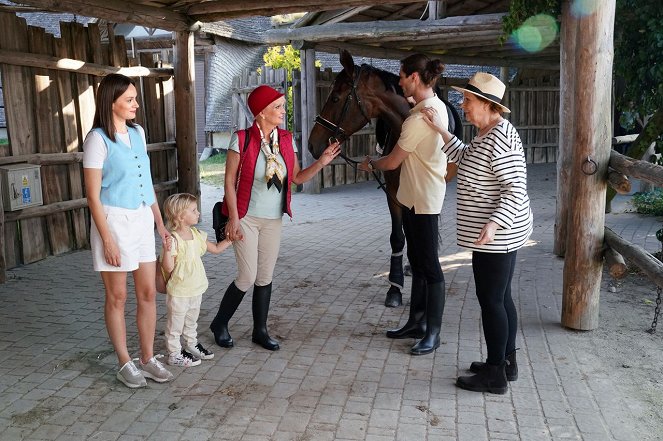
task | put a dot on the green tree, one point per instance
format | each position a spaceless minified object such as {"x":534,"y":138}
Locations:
{"x":286,"y":57}
{"x":637,"y":63}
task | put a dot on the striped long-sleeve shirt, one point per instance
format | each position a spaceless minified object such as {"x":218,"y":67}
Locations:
{"x":492,"y":186}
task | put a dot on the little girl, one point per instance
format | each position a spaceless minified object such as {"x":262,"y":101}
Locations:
{"x":185,"y":278}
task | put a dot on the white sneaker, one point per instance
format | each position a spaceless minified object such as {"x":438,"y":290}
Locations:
{"x":131,"y":376}
{"x":183,"y":359}
{"x":199,"y":351}
{"x":154,"y":370}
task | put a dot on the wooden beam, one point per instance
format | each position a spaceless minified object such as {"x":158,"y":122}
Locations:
{"x":615,"y":261}
{"x":405,"y":29}
{"x":119,"y":11}
{"x":583,"y":266}
{"x":16,"y":58}
{"x":649,"y":265}
{"x":308,"y":112}
{"x":403,"y":12}
{"x":185,"y":115}
{"x":247,"y":6}
{"x":619,"y":181}
{"x":637,"y":168}
{"x":399,"y":54}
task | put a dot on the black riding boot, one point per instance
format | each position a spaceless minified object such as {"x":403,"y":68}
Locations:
{"x":229,"y":304}
{"x":435,"y":297}
{"x":415,"y":327}
{"x":492,"y":378}
{"x":261,"y":297}
{"x":511,"y":368}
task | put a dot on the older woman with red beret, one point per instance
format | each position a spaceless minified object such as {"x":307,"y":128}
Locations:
{"x":261,"y":167}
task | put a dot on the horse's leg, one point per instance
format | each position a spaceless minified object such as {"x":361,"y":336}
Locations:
{"x":397,"y":240}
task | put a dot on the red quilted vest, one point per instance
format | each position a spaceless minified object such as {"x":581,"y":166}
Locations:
{"x":247,"y":167}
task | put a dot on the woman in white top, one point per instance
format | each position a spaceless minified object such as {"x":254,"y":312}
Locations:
{"x":494,"y":220}
{"x":124,"y":210}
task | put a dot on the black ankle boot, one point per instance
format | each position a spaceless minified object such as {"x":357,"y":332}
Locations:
{"x":229,"y":304}
{"x":511,"y":368}
{"x":415,"y":327}
{"x":435,"y":296}
{"x":492,"y":378}
{"x":261,"y":297}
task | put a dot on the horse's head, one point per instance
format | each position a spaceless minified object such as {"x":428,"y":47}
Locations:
{"x":348,"y":108}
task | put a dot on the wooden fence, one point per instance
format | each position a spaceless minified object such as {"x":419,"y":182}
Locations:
{"x":49,"y":86}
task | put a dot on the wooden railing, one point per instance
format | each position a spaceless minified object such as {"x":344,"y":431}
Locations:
{"x":620,"y":167}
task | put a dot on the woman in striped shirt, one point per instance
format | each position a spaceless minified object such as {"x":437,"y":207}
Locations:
{"x":494,"y":220}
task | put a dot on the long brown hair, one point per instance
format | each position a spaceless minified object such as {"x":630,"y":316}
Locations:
{"x":429,"y":70}
{"x":110,"y":88}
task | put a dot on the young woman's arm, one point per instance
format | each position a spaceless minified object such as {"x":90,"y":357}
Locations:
{"x":92,"y":177}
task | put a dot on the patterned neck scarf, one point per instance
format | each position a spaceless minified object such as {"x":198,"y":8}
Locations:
{"x":274,"y":171}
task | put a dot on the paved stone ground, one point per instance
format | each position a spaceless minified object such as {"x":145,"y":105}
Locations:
{"x":337,"y":377}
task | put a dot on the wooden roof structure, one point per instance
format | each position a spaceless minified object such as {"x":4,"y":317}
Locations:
{"x":456,"y":31}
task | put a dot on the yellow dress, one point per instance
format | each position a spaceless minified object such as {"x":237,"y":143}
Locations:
{"x":188,"y":278}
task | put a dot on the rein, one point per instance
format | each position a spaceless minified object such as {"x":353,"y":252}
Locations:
{"x":337,"y":130}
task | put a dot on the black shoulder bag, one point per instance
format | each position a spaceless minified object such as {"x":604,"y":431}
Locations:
{"x":219,"y":220}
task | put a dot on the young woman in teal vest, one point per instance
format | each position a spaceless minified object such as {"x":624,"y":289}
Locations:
{"x":260,"y":172}
{"x":124,"y":210}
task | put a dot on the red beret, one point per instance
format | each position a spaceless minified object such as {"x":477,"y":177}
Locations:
{"x":261,"y":97}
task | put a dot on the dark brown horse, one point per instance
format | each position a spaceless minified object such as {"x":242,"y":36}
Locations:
{"x":360,"y":93}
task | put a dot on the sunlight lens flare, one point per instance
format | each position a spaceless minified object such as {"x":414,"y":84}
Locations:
{"x":582,"y":8}
{"x":536,"y":33}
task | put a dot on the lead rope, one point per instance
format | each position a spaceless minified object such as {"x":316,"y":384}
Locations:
{"x":657,"y":309}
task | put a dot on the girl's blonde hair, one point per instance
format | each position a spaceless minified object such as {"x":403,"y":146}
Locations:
{"x":174,"y":206}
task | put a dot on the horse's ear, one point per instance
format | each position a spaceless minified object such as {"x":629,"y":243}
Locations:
{"x":348,"y":63}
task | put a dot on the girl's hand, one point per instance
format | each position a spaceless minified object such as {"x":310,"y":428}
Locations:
{"x":163,"y":233}
{"x":168,"y":243}
{"x":487,"y":233}
{"x":331,"y":152}
{"x":112,"y":253}
{"x":234,"y":230}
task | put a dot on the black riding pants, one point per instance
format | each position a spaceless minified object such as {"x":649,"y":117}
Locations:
{"x":492,"y":276}
{"x":421,"y":235}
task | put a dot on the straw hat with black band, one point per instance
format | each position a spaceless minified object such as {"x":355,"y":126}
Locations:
{"x":486,"y":86}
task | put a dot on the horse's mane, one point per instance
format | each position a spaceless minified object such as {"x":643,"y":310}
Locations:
{"x":389,"y":79}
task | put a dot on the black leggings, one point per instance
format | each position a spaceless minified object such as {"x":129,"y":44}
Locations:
{"x":421,"y":234}
{"x":492,"y":276}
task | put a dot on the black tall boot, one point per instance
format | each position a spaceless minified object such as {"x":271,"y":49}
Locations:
{"x":229,"y":304}
{"x":492,"y":378}
{"x":261,"y":297}
{"x":415,"y":327}
{"x":435,"y":296}
{"x":511,"y":368}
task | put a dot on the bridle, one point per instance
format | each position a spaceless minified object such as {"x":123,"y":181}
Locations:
{"x":337,"y":131}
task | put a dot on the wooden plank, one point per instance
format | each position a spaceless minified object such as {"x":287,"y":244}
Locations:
{"x":18,"y":90}
{"x":185,"y":115}
{"x":17,"y":58}
{"x":72,"y":141}
{"x":309,"y":104}
{"x":50,"y":140}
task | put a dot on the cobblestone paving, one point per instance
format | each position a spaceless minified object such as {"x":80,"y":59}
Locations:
{"x":336,"y":377}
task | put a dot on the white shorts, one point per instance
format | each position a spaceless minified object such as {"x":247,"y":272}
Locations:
{"x":133,"y":232}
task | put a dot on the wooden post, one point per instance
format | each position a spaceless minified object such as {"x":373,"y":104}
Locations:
{"x":583,"y":264}
{"x":567,"y":89}
{"x":185,"y":115}
{"x":308,"y":112}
